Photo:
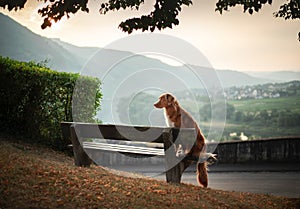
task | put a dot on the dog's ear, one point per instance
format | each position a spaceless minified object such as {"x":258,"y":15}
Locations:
{"x":167,"y":99}
{"x":170,"y":99}
{"x":175,"y":102}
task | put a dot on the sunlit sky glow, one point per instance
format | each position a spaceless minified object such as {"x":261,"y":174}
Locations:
{"x":234,"y":40}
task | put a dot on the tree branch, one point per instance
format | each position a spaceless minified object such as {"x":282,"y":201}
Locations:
{"x":164,"y":15}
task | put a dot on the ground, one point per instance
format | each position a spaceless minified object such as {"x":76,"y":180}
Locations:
{"x":32,"y":176}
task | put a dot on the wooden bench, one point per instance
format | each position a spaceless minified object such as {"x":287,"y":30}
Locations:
{"x":147,"y":141}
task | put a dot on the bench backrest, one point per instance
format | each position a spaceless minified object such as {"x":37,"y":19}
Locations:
{"x":128,"y":133}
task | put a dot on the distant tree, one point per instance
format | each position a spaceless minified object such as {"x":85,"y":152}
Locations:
{"x":164,"y":15}
{"x":239,"y":116}
{"x":218,"y":110}
{"x":229,"y":111}
{"x":264,"y":115}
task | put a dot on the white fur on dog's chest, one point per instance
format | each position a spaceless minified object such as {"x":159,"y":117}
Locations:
{"x":168,"y":120}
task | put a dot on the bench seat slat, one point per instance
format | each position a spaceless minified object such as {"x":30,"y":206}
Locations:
{"x":123,"y":148}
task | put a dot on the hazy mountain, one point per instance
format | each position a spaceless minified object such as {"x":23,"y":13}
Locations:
{"x":279,"y":76}
{"x":235,"y":78}
{"x":81,"y":54}
{"x":18,"y":42}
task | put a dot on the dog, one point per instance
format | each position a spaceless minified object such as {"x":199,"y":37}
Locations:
{"x":178,"y":117}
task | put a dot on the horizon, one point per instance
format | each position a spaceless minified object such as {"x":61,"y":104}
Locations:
{"x":257,"y":44}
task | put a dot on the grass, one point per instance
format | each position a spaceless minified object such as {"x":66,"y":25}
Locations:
{"x":262,"y":129}
{"x":258,"y":132}
{"x":257,"y":105}
{"x":37,"y":177}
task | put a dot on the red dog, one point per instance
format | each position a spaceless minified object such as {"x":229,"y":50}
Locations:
{"x":176,"y":116}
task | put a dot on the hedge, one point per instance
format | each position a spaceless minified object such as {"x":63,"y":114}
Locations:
{"x":35,"y":99}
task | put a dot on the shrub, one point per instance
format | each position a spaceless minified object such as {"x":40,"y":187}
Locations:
{"x":34,"y":100}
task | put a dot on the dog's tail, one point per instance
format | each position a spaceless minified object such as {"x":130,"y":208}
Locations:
{"x":202,"y":174}
{"x":204,"y":159}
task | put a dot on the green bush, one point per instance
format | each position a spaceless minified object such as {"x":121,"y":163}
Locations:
{"x":34,"y":100}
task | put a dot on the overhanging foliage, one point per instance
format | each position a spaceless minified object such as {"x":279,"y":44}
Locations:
{"x":164,"y":15}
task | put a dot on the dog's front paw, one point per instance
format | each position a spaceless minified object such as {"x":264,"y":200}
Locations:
{"x":179,"y":151}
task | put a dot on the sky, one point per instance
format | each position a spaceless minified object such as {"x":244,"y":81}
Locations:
{"x":235,"y":40}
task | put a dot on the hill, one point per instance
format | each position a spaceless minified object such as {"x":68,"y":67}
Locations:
{"x":18,"y":42}
{"x":280,"y":76}
{"x":37,"y":177}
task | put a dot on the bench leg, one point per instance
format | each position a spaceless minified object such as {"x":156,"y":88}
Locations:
{"x":174,"y":174}
{"x":174,"y":167}
{"x":80,"y":157}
